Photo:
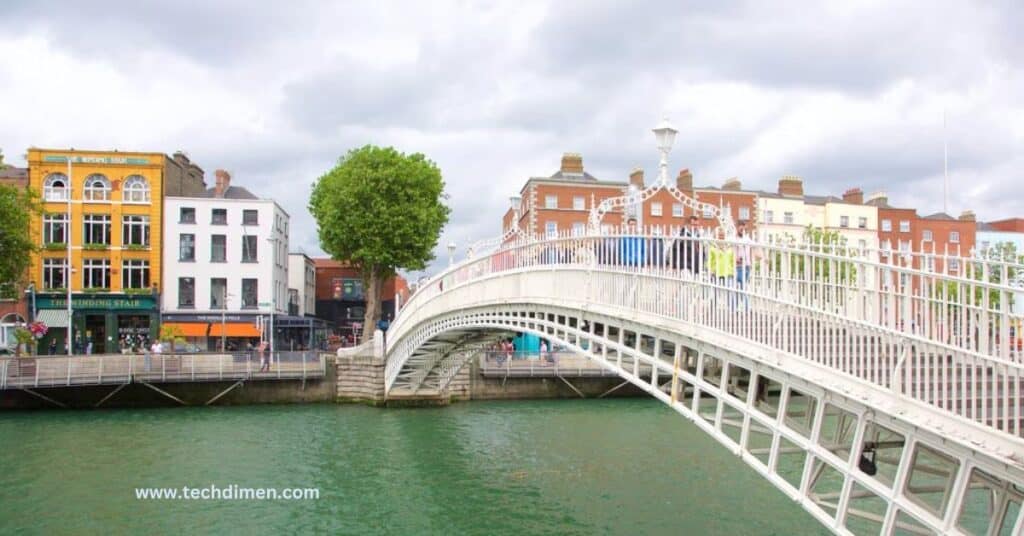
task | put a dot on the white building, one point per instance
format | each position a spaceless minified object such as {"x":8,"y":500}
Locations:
{"x":302,"y":284}
{"x":789,"y":212}
{"x":225,"y":265}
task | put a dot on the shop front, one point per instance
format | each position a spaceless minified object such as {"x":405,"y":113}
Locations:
{"x":101,"y":324}
{"x":230,"y":332}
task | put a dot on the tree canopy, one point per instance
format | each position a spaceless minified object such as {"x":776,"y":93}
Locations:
{"x":16,"y":244}
{"x":380,"y":210}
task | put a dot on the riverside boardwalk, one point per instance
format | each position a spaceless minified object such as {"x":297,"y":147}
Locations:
{"x":30,"y":374}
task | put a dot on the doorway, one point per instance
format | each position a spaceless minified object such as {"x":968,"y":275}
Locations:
{"x":96,"y":332}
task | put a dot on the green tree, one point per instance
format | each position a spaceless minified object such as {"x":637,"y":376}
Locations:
{"x":16,"y":245}
{"x":1002,"y":252}
{"x":380,"y":210}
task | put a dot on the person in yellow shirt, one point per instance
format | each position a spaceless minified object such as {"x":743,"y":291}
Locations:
{"x":722,"y":265}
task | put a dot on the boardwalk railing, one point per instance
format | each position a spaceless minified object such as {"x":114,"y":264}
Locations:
{"x":495,"y":363}
{"x":33,"y":372}
{"x":937,"y":328}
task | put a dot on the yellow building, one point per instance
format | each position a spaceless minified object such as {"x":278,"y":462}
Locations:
{"x":115,"y":232}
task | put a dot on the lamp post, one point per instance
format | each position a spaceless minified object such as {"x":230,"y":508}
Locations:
{"x":665,"y":134}
{"x":451,"y":253}
{"x":223,"y":320}
{"x":273,"y":295}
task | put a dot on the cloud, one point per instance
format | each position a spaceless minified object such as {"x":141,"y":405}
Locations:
{"x":848,"y":94}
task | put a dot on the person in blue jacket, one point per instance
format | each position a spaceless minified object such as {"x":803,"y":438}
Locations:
{"x":631,"y":246}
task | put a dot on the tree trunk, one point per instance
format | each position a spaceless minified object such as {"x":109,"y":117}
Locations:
{"x":371,"y":290}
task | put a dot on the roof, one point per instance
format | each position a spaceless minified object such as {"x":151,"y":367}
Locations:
{"x":329,"y":263}
{"x":982,"y":226}
{"x":573,"y":176}
{"x":939,"y":216}
{"x":880,"y":202}
{"x":233,"y":192}
{"x":821,"y":199}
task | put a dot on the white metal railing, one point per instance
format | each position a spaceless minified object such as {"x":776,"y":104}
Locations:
{"x":497,"y":362}
{"x":947,"y":338}
{"x":32,"y":372}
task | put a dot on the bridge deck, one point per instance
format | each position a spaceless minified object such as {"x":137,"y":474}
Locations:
{"x":43,"y":372}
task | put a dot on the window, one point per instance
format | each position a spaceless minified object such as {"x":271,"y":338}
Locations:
{"x":218,"y":248}
{"x":96,"y":273}
{"x":844,"y":221}
{"x":186,"y":292}
{"x":926,"y":235}
{"x":54,"y":271}
{"x":578,"y":229}
{"x":551,"y":228}
{"x":787,"y":218}
{"x":708,"y":212}
{"x":250,"y":217}
{"x":97,"y":229}
{"x":984,"y":245}
{"x":135,"y":231}
{"x":769,"y":216}
{"x":744,"y":213}
{"x":55,"y":187}
{"x":887,"y":226}
{"x":97,"y":188}
{"x":135,"y":274}
{"x":249,"y":293}
{"x":954,"y":265}
{"x":677,"y":210}
{"x":655,"y":209}
{"x":219,"y":216}
{"x":905,"y":246}
{"x":249,"y":248}
{"x":188,"y":215}
{"x":954,"y":237}
{"x":862,"y":223}
{"x":863,"y":244}
{"x":886,"y":245}
{"x":904,"y":226}
{"x":136,"y":190}
{"x":55,"y":229}
{"x":578,"y":203}
{"x":930,"y":264}
{"x":551,"y":201}
{"x":218,"y":293}
{"x":187,"y":247}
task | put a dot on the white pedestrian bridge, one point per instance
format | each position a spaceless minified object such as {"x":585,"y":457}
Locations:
{"x":882,"y":395}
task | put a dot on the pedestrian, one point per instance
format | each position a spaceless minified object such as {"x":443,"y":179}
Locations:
{"x":147,"y":357}
{"x":88,"y":347}
{"x":53,"y":346}
{"x":743,"y":263}
{"x":543,"y":350}
{"x":721,"y":265}
{"x":687,"y":251}
{"x":631,"y":245}
{"x":264,"y":357}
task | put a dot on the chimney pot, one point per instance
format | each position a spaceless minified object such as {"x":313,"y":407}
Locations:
{"x":733,"y":184}
{"x":684,"y":181}
{"x":572,"y":163}
{"x":967,"y":215}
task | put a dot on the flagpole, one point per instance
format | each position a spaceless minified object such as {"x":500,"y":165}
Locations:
{"x":945,"y":166}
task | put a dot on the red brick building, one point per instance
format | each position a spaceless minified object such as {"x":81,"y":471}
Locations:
{"x":339,"y":294}
{"x":562,"y":202}
{"x":901,"y":229}
{"x":1011,"y":225}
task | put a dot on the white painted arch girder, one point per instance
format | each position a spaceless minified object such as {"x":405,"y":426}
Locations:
{"x":790,"y":375}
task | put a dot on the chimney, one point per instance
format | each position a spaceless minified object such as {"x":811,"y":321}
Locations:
{"x":636,"y":177}
{"x":685,"y":180}
{"x":853,"y":196}
{"x":223,"y":183}
{"x":733,"y":184}
{"x":572,"y":164}
{"x":880,"y":198}
{"x":791,"y":186}
{"x":968,"y":215}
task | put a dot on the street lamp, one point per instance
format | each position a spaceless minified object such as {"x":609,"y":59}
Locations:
{"x":223,"y":319}
{"x":451,"y":253}
{"x":665,"y":134}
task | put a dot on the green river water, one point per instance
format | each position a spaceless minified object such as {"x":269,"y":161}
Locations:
{"x":627,"y":466}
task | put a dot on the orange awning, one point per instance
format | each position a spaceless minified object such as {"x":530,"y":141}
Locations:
{"x":238,"y":329}
{"x":231,"y":329}
{"x":188,"y":330}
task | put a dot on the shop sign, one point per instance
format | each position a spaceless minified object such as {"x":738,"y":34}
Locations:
{"x":208,"y":318}
{"x":97,"y":159}
{"x":96,"y":302}
{"x":349,"y":289}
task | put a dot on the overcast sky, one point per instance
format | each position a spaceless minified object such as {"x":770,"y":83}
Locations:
{"x":495,"y":92}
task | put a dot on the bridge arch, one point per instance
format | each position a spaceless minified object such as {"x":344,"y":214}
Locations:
{"x":860,"y":456}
